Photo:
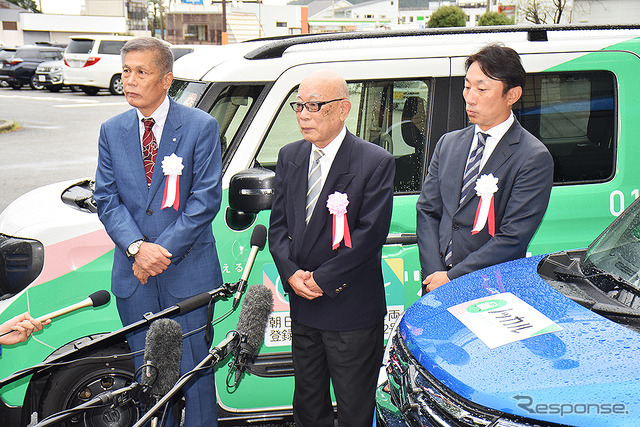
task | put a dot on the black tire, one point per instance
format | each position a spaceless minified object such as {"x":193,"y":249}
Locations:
{"x":35,"y":83}
{"x":15,"y":85}
{"x":90,"y":90}
{"x":115,"y":87}
{"x":80,"y":382}
{"x":55,"y":88}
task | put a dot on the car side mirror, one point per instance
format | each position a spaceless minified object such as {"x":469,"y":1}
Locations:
{"x":250,"y":191}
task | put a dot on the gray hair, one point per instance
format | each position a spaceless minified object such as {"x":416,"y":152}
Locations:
{"x":163,"y":58}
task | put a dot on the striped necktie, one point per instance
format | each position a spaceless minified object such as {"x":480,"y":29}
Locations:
{"x":313,"y":184}
{"x":468,"y":180}
{"x":473,"y":167}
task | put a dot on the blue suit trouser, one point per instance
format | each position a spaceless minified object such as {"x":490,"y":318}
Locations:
{"x":200,"y":397}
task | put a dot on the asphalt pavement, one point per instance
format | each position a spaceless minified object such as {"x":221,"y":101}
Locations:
{"x":56,"y":137}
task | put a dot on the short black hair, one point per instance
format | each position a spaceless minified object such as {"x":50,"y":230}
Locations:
{"x":499,"y":63}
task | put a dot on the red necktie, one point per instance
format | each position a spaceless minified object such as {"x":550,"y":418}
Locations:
{"x":149,"y":148}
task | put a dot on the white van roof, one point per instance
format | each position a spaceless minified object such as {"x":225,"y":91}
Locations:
{"x":266,"y":59}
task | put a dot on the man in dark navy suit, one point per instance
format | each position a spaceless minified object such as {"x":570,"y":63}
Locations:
{"x":488,"y":185}
{"x":329,"y":220}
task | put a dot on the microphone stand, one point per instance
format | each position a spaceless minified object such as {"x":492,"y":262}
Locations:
{"x":216,"y":354}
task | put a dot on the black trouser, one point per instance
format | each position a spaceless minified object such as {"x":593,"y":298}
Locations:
{"x":351,"y":359}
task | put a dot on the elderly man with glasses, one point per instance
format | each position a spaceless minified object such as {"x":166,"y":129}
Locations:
{"x":329,"y":220}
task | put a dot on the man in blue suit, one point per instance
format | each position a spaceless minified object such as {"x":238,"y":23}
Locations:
{"x":488,"y":185}
{"x":329,"y":220}
{"x":158,"y":190}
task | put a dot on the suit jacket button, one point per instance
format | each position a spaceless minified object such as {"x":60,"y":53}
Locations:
{"x":455,"y":227}
{"x":149,"y":212}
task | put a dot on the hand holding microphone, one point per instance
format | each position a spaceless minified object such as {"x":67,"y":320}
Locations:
{"x":24,"y":325}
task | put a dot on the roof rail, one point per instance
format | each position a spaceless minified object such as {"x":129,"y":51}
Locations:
{"x":279,"y":45}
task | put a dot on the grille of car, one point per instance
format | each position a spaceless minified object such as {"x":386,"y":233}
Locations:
{"x":43,"y":69}
{"x":425,"y":401}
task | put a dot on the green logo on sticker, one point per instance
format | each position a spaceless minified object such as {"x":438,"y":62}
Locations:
{"x":483,"y":306}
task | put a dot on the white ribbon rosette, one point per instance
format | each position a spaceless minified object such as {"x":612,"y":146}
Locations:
{"x":486,"y":186}
{"x":337,"y":204}
{"x":172,"y":168}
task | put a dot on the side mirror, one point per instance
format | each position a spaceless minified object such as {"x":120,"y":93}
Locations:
{"x":251,"y":190}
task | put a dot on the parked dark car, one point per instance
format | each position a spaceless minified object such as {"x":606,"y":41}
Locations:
{"x":6,"y":52}
{"x":19,"y":69}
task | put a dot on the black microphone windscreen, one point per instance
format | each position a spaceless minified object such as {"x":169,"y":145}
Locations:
{"x":259,"y":236}
{"x":163,"y":350}
{"x":254,"y":315}
{"x":100,"y":297}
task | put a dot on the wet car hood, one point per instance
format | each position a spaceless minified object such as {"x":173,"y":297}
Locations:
{"x":591,"y":361}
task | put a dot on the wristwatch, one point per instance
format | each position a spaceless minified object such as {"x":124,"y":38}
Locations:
{"x":133,"y":248}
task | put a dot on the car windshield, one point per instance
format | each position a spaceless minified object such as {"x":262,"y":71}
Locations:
{"x":616,"y":254}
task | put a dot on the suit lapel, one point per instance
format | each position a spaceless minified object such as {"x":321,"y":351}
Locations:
{"x":460,"y":162}
{"x":133,"y":150}
{"x":299,"y":177}
{"x":168,"y":144}
{"x":337,"y":180}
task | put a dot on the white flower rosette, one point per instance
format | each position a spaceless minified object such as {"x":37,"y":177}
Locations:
{"x":486,"y":186}
{"x":172,"y":168}
{"x":337,"y":204}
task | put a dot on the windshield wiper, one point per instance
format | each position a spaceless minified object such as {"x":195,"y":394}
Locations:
{"x":613,"y":283}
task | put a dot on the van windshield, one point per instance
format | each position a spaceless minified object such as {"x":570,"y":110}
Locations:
{"x":615,"y":254}
{"x":80,"y":46}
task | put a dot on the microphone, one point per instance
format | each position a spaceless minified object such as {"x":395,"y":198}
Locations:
{"x":252,"y":323}
{"x":258,"y":239}
{"x":163,"y":352}
{"x":96,"y":299}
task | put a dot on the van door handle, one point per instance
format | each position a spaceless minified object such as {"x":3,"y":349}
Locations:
{"x":402,"y":239}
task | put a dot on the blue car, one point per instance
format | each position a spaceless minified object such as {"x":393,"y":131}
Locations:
{"x":542,"y":341}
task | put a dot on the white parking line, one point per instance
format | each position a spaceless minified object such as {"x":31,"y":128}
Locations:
{"x":50,"y":98}
{"x":102,"y":104}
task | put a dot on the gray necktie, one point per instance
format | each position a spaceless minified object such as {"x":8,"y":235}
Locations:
{"x":313,"y":184}
{"x":468,"y":180}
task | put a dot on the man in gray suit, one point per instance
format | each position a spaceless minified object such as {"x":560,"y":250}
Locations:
{"x":488,"y":185}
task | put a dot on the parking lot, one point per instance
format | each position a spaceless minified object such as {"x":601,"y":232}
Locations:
{"x":56,"y":140}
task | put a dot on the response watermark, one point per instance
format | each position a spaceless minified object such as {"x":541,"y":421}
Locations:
{"x":528,"y":404}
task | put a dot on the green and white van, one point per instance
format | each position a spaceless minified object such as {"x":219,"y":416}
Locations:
{"x":581,"y":99}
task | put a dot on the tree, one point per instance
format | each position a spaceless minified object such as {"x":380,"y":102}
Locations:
{"x":544,"y":11}
{"x":494,"y":18}
{"x":448,"y":16}
{"x":26,"y":4}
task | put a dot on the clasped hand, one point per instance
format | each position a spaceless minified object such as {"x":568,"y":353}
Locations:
{"x":151,"y":260}
{"x":304,"y":285}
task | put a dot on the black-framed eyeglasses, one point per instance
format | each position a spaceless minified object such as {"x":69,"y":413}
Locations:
{"x":311,"y":106}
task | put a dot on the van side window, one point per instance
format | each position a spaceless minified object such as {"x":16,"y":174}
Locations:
{"x":231,"y":108}
{"x":392,"y":114}
{"x":573,"y":114}
{"x":110,"y":47}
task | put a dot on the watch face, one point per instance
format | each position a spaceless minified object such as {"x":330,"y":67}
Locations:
{"x":133,"y":248}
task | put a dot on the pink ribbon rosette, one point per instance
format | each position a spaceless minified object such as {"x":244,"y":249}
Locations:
{"x":172,"y":168}
{"x":485,"y":187}
{"x":337,"y":204}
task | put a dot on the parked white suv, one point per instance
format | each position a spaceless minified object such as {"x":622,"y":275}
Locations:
{"x":93,"y":63}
